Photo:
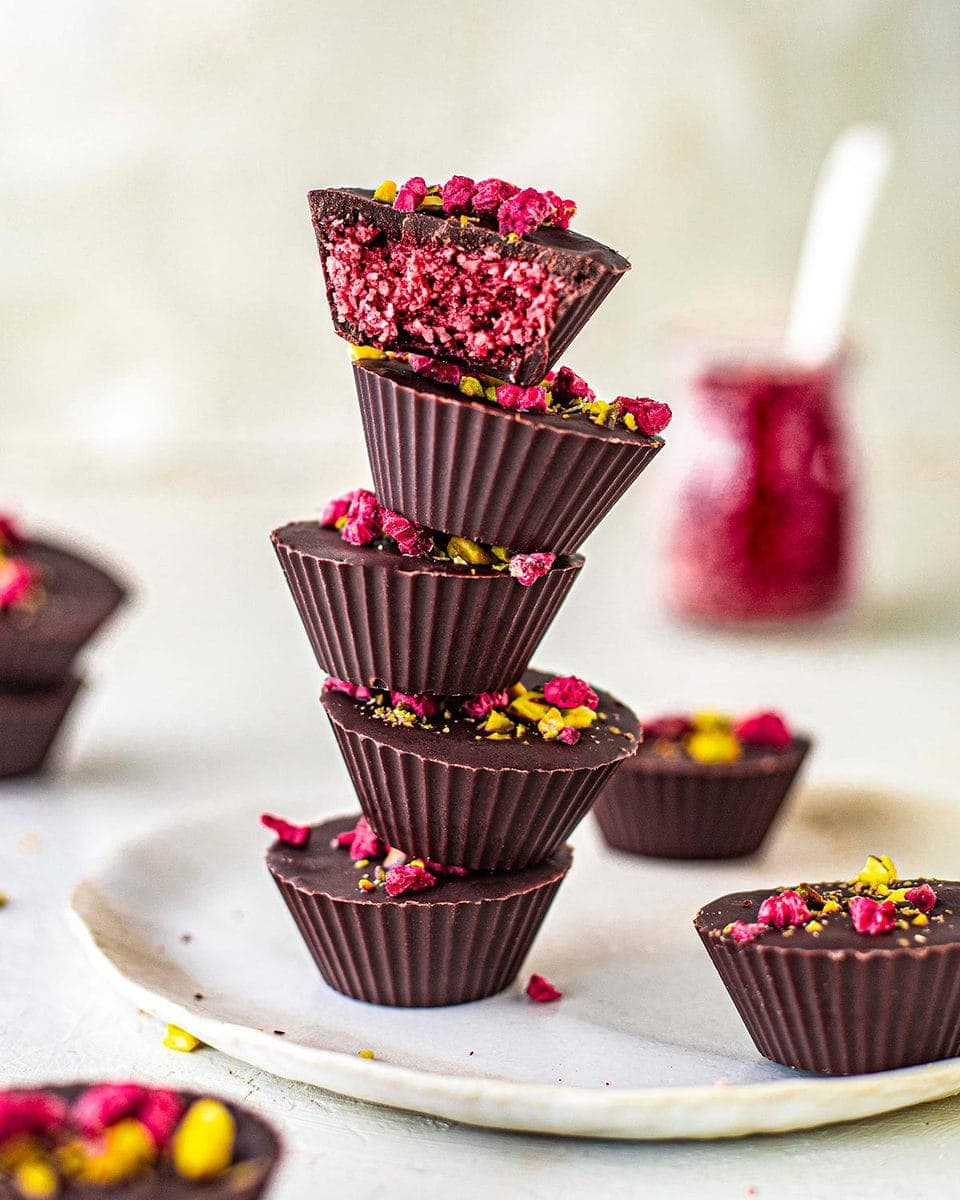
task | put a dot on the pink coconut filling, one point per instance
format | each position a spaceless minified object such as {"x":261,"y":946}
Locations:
{"x":483,"y":305}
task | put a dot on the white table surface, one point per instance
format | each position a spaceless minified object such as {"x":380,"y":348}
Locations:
{"x":207,"y":693}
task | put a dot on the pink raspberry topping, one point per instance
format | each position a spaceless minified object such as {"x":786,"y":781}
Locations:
{"x":408,"y":879}
{"x":440,"y":869}
{"x":522,"y":399}
{"x":291,"y":835}
{"x":542,"y":990}
{"x":30,"y":1112}
{"x":485,"y":702}
{"x":104,"y":1104}
{"x":10,"y":534}
{"x":528,"y":568}
{"x":411,"y":538}
{"x":787,"y":908}
{"x":524,"y":212}
{"x":432,"y":368}
{"x":361,"y":841}
{"x":337,"y":509}
{"x":746,"y":931}
{"x":457,"y":193}
{"x":423,"y":705}
{"x":766,"y":729}
{"x":672,"y":728}
{"x":363,"y":519}
{"x":651,"y":416}
{"x":870,"y":916}
{"x":563,"y":210}
{"x":489,"y":194}
{"x":922,"y":896}
{"x":17,"y":578}
{"x":355,"y":691}
{"x":411,"y":194}
{"x":568,"y":387}
{"x":569,"y":735}
{"x":160,"y":1112}
{"x":568,"y":691}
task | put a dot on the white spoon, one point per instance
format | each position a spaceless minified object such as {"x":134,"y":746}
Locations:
{"x":848,"y":188}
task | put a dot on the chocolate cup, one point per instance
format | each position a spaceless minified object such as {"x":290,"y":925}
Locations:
{"x":460,"y":941}
{"x":257,"y":1151}
{"x":468,"y":802}
{"x":843,"y":1011}
{"x":29,"y":724}
{"x":529,"y":481}
{"x":585,"y":270}
{"x":407,"y":624}
{"x":678,"y":808}
{"x":37,"y":649}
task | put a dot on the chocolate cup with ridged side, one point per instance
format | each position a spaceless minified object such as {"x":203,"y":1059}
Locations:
{"x":850,"y":1006}
{"x":529,"y":481}
{"x":385,"y":620}
{"x":576,"y":270}
{"x":460,"y":941}
{"x":256,"y":1152}
{"x":677,"y":808}
{"x":30,"y":722}
{"x":37,"y":648}
{"x":467,"y":801}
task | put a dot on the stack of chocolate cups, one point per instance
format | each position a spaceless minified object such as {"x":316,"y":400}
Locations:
{"x":451,"y":741}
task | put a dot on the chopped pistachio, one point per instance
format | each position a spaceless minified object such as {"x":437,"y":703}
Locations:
{"x":470,"y":552}
{"x":386,"y":193}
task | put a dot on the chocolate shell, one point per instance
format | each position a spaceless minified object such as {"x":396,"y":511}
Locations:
{"x":842,"y":1003}
{"x":467,"y":801}
{"x":566,"y":274}
{"x":379,"y":618}
{"x":38,"y":648}
{"x":460,"y":941}
{"x":29,"y":724}
{"x":528,"y":481}
{"x":678,"y":808}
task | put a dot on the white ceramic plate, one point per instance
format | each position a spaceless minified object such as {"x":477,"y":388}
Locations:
{"x":644,"y":1044}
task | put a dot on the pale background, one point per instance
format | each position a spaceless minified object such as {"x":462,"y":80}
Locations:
{"x":170,"y":388}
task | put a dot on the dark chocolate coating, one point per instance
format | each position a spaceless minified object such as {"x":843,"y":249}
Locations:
{"x":37,"y":649}
{"x":587,"y":268}
{"x":530,"y":481}
{"x":680,"y":808}
{"x":840,"y":1002}
{"x":383,"y":619}
{"x":459,"y":941}
{"x":29,"y":724}
{"x":255,"y":1143}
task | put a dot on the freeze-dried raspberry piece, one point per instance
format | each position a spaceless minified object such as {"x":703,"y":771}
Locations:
{"x":489,"y":194}
{"x":651,"y":416}
{"x":479,"y":706}
{"x":355,"y":691}
{"x":568,"y":387}
{"x":457,"y":193}
{"x":569,"y":691}
{"x":568,"y":735}
{"x":160,"y":1113}
{"x":411,"y":538}
{"x":542,"y":990}
{"x":871,"y":916}
{"x":745,"y":931}
{"x":104,"y":1104}
{"x":672,"y":728}
{"x":524,"y":212}
{"x":423,"y":705}
{"x":764,"y":729}
{"x":291,"y":835}
{"x":563,"y":210}
{"x":411,"y":194}
{"x":522,"y":399}
{"x":407,"y":878}
{"x":363,"y":519}
{"x":431,"y":368}
{"x":787,"y":908}
{"x":922,"y":896}
{"x":528,"y":568}
{"x":335,"y":510}
{"x":30,"y":1112}
{"x":17,"y":579}
{"x":361,"y":841}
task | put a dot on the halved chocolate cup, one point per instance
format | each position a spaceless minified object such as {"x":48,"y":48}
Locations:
{"x":529,"y":481}
{"x":848,"y":1006}
{"x":461,"y":941}
{"x":379,"y":618}
{"x":38,"y":648}
{"x":504,"y":308}
{"x":677,"y":808}
{"x":29,"y":724}
{"x":467,"y":801}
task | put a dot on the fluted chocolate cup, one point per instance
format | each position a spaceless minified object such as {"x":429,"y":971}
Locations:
{"x":385,"y":620}
{"x":461,"y":799}
{"x":678,"y":808}
{"x":839,"y":1002}
{"x":460,"y":941}
{"x":423,"y":283}
{"x":528,"y":481}
{"x":39,"y":646}
{"x":29,"y":724}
